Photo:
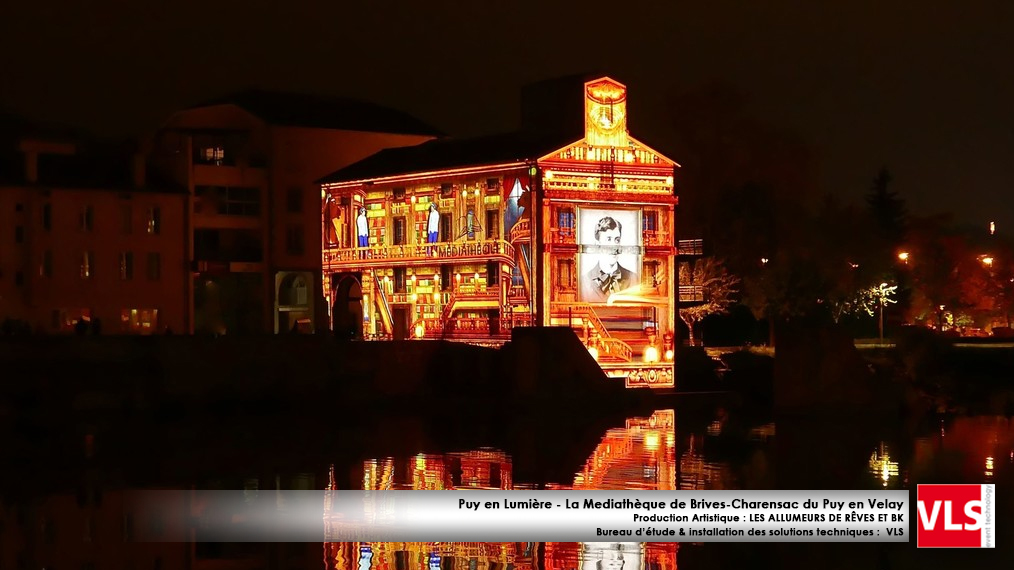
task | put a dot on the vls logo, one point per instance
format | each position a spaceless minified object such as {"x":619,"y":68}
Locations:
{"x":956,"y":516}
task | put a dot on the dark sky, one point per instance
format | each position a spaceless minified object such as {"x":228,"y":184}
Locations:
{"x":924,"y":87}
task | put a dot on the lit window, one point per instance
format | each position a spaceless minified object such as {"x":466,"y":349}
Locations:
{"x":87,"y":264}
{"x":154,"y":224}
{"x":139,"y":321}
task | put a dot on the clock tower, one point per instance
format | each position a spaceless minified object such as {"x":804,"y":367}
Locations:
{"x":605,"y":119}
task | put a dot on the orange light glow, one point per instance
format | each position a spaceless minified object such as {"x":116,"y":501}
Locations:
{"x":987,"y":260}
{"x":903,"y":256}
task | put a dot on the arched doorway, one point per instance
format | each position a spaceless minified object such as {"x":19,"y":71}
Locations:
{"x":347,"y":308}
{"x":294,"y":302}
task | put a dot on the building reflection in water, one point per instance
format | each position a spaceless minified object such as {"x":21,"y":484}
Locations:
{"x":639,"y":456}
{"x":882,"y":468}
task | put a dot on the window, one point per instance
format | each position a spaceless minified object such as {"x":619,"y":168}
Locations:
{"x":446,"y":228}
{"x":154,"y":222}
{"x":565,"y":218}
{"x":294,"y":240}
{"x":47,"y":217}
{"x":446,"y":277}
{"x":213,"y":155}
{"x":398,"y":193}
{"x":399,"y":231}
{"x":651,"y":272}
{"x":87,"y":219}
{"x":399,"y":279}
{"x":294,"y":200}
{"x":127,"y":219}
{"x":87,"y":264}
{"x":492,"y":273}
{"x":446,"y":191}
{"x":139,"y":321}
{"x":650,"y":221}
{"x":46,"y":266}
{"x":565,"y":277}
{"x":230,"y":201}
{"x":154,"y":266}
{"x":126,"y":265}
{"x":492,"y":224}
{"x":19,"y":234}
{"x":65,"y":319}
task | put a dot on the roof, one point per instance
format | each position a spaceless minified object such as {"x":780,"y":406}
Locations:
{"x":452,"y":153}
{"x":301,"y":110}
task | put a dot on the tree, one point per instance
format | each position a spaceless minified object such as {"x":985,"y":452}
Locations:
{"x":718,"y":288}
{"x":887,"y":209}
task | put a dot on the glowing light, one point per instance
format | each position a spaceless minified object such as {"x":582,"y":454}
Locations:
{"x":992,"y":228}
{"x":415,"y":297}
{"x":420,"y":330}
{"x":668,"y":180}
{"x":413,"y":198}
{"x":764,"y":261}
{"x":669,"y":354}
{"x":323,"y":194}
{"x":548,"y":175}
{"x":903,"y":256}
{"x":651,"y":354}
{"x":594,"y":352}
{"x":476,"y":276}
{"x":651,"y":441}
{"x":987,"y":260}
{"x":457,"y":277}
{"x":881,"y":465}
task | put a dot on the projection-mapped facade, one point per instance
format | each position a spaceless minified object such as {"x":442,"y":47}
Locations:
{"x":465,"y":240}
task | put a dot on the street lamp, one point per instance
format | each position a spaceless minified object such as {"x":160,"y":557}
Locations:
{"x":903,"y":257}
{"x":883,"y":294}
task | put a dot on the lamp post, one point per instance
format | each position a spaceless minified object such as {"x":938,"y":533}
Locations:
{"x":882,"y":287}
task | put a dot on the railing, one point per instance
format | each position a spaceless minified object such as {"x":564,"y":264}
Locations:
{"x":563,"y":235}
{"x":609,"y":346}
{"x":433,"y":251}
{"x":470,"y":326}
{"x":657,"y":238}
{"x":615,"y":348}
{"x":690,"y":247}
{"x":521,"y":230}
{"x":517,"y":291}
{"x":691,"y":294}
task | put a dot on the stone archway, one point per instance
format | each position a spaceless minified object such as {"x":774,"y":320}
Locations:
{"x":347,"y":307}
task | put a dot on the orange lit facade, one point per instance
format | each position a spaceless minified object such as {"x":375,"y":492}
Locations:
{"x":88,"y":239}
{"x":465,"y":240}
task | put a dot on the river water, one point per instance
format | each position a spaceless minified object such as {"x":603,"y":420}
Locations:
{"x":51,"y":520}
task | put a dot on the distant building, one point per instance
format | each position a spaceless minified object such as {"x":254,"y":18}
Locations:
{"x":89,"y":239}
{"x":248,"y":164}
{"x":569,"y":222}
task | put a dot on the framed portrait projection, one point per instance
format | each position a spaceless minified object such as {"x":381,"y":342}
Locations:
{"x":609,"y":253}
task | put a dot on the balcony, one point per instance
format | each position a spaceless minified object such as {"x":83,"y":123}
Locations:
{"x":691,"y":294}
{"x":690,"y":247}
{"x":384,"y":255}
{"x":521,"y":230}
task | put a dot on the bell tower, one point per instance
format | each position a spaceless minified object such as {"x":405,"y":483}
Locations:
{"x":605,"y":118}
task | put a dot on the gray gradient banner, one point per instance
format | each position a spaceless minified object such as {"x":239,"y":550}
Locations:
{"x":522,"y":516}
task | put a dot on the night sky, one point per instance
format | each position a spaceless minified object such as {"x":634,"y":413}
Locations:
{"x":926,"y":88}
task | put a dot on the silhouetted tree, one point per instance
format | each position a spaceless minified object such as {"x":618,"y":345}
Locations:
{"x":888,"y":210}
{"x":718,"y":287}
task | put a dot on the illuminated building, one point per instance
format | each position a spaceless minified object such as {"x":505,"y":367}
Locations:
{"x":248,"y":164}
{"x":465,"y":240}
{"x":89,"y":237}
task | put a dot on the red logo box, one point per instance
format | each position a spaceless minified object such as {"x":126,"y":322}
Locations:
{"x":956,"y":516}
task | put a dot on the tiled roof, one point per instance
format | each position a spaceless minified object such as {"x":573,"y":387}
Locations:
{"x":452,"y":153}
